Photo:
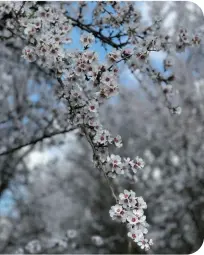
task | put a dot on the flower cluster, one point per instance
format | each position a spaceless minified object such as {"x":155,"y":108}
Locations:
{"x":46,"y":30}
{"x":127,"y":167}
{"x":119,"y":14}
{"x":185,"y":39}
{"x":87,"y":39}
{"x":130,"y":210}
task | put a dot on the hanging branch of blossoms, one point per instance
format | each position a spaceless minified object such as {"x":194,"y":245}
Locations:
{"x":86,"y":83}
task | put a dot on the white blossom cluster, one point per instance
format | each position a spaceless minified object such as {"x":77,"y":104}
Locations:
{"x":46,"y":31}
{"x":185,"y":39}
{"x":127,"y":167}
{"x":123,"y":14}
{"x":130,"y":210}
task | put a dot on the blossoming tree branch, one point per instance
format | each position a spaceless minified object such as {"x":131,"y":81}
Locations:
{"x":85,"y":83}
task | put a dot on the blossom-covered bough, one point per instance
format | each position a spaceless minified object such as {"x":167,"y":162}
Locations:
{"x":85,"y":83}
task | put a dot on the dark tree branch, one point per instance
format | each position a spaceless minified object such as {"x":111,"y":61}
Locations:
{"x":96,"y":33}
{"x":34,"y":141}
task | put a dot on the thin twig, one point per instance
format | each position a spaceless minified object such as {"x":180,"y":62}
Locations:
{"x":33,"y":142}
{"x":101,"y":166}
